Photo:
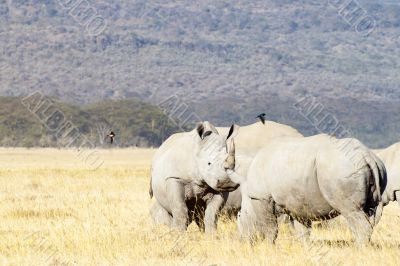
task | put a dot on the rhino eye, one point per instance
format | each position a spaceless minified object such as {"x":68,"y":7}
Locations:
{"x":209,"y":163}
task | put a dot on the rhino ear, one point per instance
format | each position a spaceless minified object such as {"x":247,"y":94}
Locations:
{"x":205,"y":129}
{"x":200,"y":130}
{"x":233,"y":131}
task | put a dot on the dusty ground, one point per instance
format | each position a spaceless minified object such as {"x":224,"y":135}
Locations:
{"x":55,"y":209}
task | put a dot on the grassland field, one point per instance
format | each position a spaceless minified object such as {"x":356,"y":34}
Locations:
{"x":56,"y":210}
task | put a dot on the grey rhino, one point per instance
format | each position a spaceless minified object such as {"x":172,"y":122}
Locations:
{"x":248,"y":141}
{"x":188,"y":177}
{"x":311,"y":179}
{"x":391,"y":157}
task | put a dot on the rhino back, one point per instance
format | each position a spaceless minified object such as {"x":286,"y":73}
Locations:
{"x":169,"y":143}
{"x":175,"y":158}
{"x":253,"y":137}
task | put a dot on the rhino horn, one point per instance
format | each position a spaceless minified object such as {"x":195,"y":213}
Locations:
{"x":230,"y":160}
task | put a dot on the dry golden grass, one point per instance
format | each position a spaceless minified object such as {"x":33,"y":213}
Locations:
{"x":55,"y":210}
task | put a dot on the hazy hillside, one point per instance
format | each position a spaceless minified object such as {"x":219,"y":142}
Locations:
{"x":135,"y":123}
{"x":259,"y":55}
{"x":139,"y":124}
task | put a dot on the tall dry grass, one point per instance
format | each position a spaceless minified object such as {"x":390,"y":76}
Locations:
{"x":56,"y":211}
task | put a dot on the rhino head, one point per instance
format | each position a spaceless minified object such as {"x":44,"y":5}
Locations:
{"x":214,"y":155}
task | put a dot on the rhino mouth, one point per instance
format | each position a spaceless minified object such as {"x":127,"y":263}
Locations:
{"x":227,"y":186}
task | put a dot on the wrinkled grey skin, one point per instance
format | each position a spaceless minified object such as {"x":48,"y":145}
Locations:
{"x":189,"y":179}
{"x":391,"y":157}
{"x":311,"y":179}
{"x":249,"y":140}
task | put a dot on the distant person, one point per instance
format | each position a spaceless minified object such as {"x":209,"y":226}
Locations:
{"x":111,"y":136}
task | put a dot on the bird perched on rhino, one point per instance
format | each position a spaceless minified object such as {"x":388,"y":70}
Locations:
{"x":262,"y":118}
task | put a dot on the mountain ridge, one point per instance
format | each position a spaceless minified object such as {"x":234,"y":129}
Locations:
{"x":207,"y":52}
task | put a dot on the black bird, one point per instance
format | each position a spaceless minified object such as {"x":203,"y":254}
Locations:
{"x":111,"y":136}
{"x":262,"y":117}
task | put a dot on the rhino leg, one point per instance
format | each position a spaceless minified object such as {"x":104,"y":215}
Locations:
{"x":214,"y":205}
{"x":176,"y":197}
{"x":267,"y":221}
{"x":257,"y":220}
{"x":199,"y":219}
{"x":160,"y":215}
{"x":303,"y":230}
{"x":246,"y":220}
{"x":398,"y":197}
{"x":360,"y":227}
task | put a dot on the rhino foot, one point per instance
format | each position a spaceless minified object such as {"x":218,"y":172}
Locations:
{"x":398,"y":197}
{"x":360,"y":227}
{"x":159,"y":215}
{"x":303,"y":230}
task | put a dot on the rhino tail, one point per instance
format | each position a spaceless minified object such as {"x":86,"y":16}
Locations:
{"x":378,"y":214}
{"x":374,"y":204}
{"x":151,"y":184}
{"x":151,"y":189}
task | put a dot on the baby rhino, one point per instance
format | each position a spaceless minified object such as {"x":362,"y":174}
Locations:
{"x":312,"y":179}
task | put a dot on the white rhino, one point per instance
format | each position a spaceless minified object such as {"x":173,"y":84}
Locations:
{"x":249,"y":140}
{"x":311,"y":179}
{"x":182,"y":176}
{"x":391,"y":157}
